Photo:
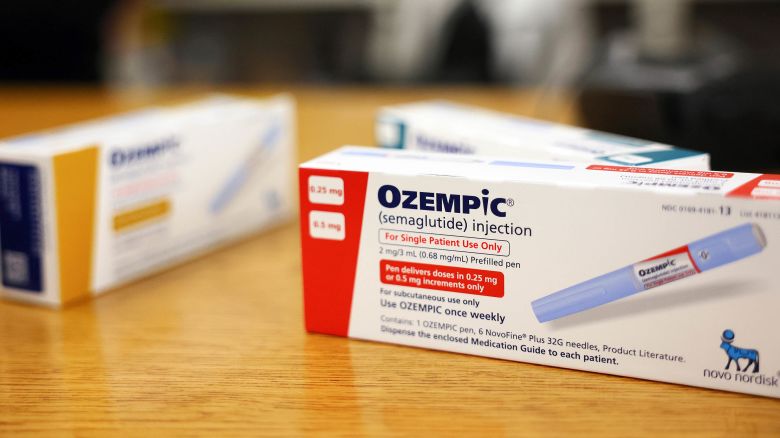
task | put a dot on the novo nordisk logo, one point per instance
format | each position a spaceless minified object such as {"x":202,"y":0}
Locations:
{"x":736,"y":353}
{"x":121,"y":157}
{"x":391,"y":197}
{"x":747,"y":372}
{"x":668,"y":263}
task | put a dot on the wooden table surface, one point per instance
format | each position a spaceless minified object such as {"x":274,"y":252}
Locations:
{"x":217,"y":345}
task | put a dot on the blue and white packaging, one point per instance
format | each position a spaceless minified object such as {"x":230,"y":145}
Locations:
{"x":88,"y":207}
{"x":660,"y":274}
{"x":441,"y":126}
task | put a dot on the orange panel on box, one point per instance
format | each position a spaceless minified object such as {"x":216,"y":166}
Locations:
{"x":75,"y":178}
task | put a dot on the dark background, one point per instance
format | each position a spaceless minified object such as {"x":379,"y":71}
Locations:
{"x":717,"y":91}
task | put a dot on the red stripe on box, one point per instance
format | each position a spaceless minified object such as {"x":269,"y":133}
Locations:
{"x":654,"y":171}
{"x":329,"y":265}
{"x":760,"y":187}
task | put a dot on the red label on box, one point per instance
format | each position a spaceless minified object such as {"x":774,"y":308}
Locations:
{"x":766,"y":186}
{"x":654,"y":171}
{"x":444,"y":278}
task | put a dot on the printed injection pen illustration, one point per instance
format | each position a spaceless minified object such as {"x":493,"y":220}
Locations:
{"x":237,"y":180}
{"x":701,"y":255}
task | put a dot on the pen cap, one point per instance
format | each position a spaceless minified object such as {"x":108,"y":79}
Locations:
{"x":586,"y":295}
{"x":727,"y":246}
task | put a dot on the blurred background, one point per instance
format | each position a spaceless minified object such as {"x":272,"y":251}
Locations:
{"x":702,"y":74}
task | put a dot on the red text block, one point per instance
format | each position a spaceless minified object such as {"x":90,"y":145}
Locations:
{"x":443,"y":278}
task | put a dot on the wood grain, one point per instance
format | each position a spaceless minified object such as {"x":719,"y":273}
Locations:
{"x":217,"y":345}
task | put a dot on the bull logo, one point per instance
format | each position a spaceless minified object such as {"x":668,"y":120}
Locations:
{"x":735,"y":353}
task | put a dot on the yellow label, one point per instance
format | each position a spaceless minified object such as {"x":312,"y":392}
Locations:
{"x":142,"y":214}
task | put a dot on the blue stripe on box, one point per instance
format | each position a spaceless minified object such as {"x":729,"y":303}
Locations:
{"x":531,"y":165}
{"x":21,"y":234}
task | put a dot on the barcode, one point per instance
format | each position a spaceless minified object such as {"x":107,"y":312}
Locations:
{"x":16,"y":268}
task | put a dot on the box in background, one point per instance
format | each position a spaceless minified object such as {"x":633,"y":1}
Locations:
{"x":90,"y":206}
{"x":660,"y":274}
{"x":440,"y":126}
